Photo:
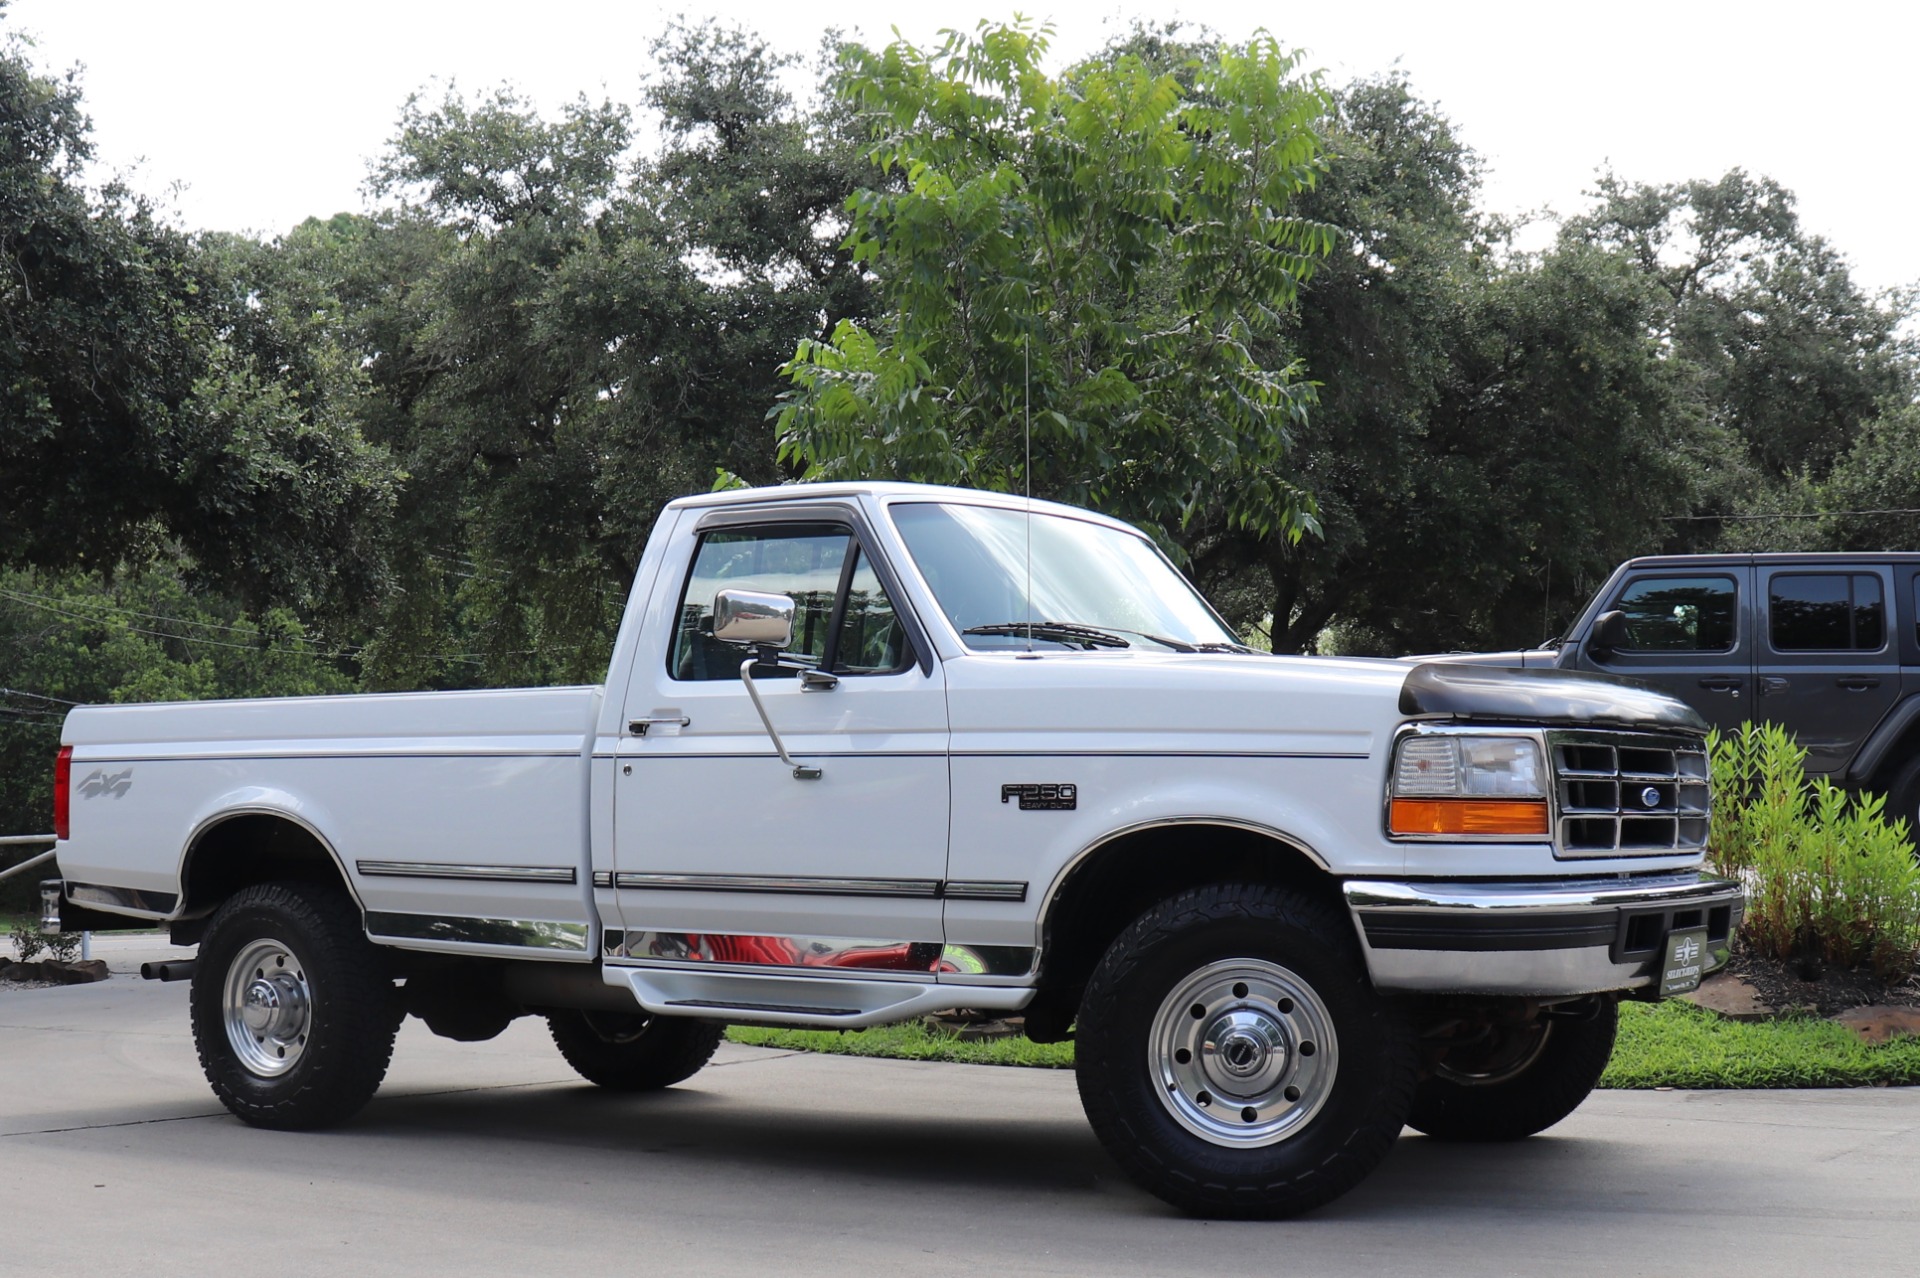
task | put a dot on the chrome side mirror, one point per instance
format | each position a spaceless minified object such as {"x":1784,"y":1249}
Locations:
{"x":753,"y":619}
{"x":762,"y":624}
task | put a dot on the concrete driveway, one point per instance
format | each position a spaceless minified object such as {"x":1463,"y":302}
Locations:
{"x":492,"y":1158}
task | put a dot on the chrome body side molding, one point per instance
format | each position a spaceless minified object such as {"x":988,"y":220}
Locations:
{"x":451,"y":930}
{"x":124,"y":900}
{"x":494,"y":873}
{"x":793,"y":884}
{"x":984,"y":890}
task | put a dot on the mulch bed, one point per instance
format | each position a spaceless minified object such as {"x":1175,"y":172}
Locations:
{"x":1786,"y":987}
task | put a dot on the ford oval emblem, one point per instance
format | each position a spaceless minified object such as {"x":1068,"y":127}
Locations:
{"x":1650,"y":797}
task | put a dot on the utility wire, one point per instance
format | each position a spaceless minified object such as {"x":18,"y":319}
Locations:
{"x":1823,"y":514}
{"x":37,"y":696}
{"x":51,"y":603}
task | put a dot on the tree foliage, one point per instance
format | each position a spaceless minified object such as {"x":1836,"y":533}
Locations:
{"x":141,"y":407}
{"x":1093,"y":256}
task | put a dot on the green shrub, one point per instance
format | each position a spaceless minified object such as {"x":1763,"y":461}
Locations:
{"x":1828,"y":877}
{"x":27,"y":941}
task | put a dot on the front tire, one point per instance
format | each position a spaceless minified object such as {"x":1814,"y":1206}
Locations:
{"x":1523,"y":1079}
{"x":1233,"y":1057}
{"x":293,"y":1015}
{"x":634,"y":1052}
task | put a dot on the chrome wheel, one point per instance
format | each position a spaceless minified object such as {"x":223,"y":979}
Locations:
{"x":1243,"y":1052}
{"x":267,"y":1008}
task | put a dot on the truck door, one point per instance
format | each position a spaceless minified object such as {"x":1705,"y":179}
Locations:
{"x":1828,"y":668}
{"x":722,"y":856}
{"x":1690,"y":633}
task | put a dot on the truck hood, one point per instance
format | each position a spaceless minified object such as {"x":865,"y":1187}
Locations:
{"x":1179,"y":702}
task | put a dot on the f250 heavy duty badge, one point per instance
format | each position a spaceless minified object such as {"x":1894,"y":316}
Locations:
{"x":1050,"y":796}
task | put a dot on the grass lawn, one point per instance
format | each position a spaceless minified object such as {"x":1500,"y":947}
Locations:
{"x":1661,"y":1045}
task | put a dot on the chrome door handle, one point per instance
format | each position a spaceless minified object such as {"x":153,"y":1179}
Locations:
{"x":638,"y":727}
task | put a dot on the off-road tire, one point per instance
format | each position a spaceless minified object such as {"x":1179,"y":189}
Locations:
{"x":1562,"y":1075}
{"x":633,"y":1052}
{"x":341,"y":1044}
{"x":1127,"y":1076}
{"x":1903,"y":798}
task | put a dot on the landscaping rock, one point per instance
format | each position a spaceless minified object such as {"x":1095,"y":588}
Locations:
{"x":1730,"y":996}
{"x":1879,"y":1023}
{"x":54,"y":972}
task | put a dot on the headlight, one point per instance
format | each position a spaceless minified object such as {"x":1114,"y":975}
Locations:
{"x":1464,"y":784}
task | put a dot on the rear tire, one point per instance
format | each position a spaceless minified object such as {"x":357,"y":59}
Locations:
{"x":634,"y":1052}
{"x":1235,"y":1060}
{"x":1523,"y":1081}
{"x":293,"y":1014}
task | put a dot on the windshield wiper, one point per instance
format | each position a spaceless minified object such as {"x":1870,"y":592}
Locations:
{"x":1098,"y":637}
{"x":1186,"y":645}
{"x":1088,"y":637}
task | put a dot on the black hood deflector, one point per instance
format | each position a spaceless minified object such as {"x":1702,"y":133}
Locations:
{"x":1541,"y":696}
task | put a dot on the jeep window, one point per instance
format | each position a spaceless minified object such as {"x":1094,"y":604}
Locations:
{"x":1826,"y":612}
{"x":817,"y":566}
{"x":1679,"y":614}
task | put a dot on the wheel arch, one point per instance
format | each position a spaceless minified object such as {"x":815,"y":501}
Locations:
{"x":1116,"y":878}
{"x":242,"y":846}
{"x":1892,"y":744}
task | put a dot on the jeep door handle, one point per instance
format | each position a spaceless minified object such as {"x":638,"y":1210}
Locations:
{"x":1721,"y":685}
{"x":1773,"y":687}
{"x":1858,"y":683}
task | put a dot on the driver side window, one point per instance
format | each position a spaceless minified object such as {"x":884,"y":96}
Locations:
{"x":843,"y":619}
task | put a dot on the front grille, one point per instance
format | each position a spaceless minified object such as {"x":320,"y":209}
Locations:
{"x":1628,"y":794}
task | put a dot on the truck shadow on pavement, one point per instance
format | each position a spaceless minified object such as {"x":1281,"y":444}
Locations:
{"x":835,"y":1143}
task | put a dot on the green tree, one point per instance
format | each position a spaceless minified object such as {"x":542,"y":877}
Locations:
{"x":1097,"y":254}
{"x":1782,"y":351}
{"x":135,"y":420}
{"x":1490,"y":433}
{"x":562,"y":335}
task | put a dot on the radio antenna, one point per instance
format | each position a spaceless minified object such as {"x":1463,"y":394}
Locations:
{"x":1026,"y":474}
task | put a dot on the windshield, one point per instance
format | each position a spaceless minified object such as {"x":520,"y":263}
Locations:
{"x":1086,"y":577}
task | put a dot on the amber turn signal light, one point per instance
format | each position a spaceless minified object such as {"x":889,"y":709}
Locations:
{"x":1469,"y":816}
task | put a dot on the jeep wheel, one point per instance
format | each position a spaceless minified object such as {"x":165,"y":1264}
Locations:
{"x":1903,"y":799}
{"x":631,"y":1051}
{"x":1518,"y":1079}
{"x":293,"y":1016}
{"x":1233,"y":1057}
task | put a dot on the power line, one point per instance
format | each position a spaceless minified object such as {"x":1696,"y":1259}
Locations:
{"x":1823,"y":514}
{"x":47,"y":604}
{"x":37,"y":696}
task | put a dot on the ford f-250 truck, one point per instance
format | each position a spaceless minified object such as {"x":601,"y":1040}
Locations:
{"x":865,"y":751}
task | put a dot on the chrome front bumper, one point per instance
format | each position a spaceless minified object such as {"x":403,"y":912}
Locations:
{"x":1539,"y":939}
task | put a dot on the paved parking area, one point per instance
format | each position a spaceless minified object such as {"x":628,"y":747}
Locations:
{"x":492,"y":1158}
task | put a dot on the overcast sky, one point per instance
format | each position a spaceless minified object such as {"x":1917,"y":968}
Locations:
{"x":267,"y":111}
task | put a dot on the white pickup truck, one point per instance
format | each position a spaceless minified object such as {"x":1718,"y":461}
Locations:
{"x":867,"y":751}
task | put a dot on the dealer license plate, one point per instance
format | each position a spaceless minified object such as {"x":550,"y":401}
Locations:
{"x":1683,"y":962}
